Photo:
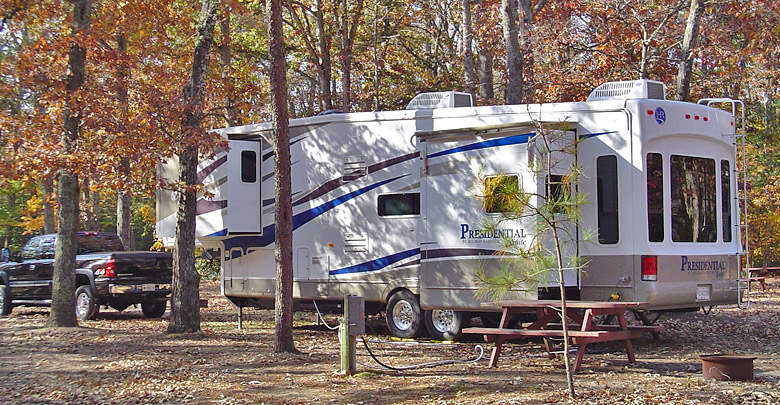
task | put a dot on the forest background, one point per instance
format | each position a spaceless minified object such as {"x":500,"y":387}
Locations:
{"x":348,"y":55}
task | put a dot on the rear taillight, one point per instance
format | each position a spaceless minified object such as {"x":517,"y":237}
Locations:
{"x":649,"y":268}
{"x":109,"y":271}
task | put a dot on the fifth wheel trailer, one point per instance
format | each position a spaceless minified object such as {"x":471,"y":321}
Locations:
{"x":384,"y":204}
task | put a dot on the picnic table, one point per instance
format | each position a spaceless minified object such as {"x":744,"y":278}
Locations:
{"x":584,"y":330}
{"x":760,"y":274}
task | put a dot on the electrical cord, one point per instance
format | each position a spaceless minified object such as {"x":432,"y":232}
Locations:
{"x":478,"y":348}
{"x":319,"y":315}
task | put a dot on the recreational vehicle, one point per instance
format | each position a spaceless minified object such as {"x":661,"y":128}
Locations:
{"x":384,"y":204}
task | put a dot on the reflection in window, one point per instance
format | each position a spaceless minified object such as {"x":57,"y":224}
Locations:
{"x":607,"y":196}
{"x":693,"y":199}
{"x":725,"y":187}
{"x":248,"y":166}
{"x":501,"y":194}
{"x":398,"y":204}
{"x":655,"y":197}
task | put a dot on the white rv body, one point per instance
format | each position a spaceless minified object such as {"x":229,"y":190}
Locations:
{"x":384,"y":204}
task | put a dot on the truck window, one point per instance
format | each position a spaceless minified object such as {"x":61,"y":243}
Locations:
{"x":693,"y":199}
{"x":725,"y":187}
{"x":607,"y":196}
{"x":248,"y":166}
{"x":501,"y":192}
{"x":98,"y":242}
{"x":655,"y":197}
{"x":389,"y":205}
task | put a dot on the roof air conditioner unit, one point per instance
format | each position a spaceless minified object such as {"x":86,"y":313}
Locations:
{"x":628,"y":89}
{"x":442,"y":99}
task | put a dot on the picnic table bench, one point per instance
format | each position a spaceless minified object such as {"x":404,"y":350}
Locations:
{"x":585,"y":329}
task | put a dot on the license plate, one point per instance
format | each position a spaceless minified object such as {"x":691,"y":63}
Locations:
{"x":148,"y":287}
{"x":703,"y":293}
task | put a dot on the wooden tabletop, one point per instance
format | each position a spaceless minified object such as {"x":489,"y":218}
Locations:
{"x":569,"y":304}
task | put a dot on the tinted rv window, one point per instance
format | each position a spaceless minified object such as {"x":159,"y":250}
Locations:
{"x":725,"y":187}
{"x":398,"y":204}
{"x":607,"y":195}
{"x":248,"y":166}
{"x":501,"y":193}
{"x":693,"y":199}
{"x":655,"y":197}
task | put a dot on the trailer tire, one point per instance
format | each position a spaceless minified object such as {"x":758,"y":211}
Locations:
{"x":446,"y":324}
{"x":5,"y":301}
{"x":404,"y":315}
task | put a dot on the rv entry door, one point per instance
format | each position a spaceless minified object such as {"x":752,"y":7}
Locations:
{"x":244,"y":191}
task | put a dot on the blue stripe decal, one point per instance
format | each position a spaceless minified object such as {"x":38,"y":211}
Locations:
{"x":219,"y":233}
{"x":269,"y":232}
{"x":509,"y":140}
{"x":377,"y":264}
{"x":586,"y":136}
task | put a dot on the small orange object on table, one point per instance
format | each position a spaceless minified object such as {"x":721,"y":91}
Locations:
{"x":580,"y":312}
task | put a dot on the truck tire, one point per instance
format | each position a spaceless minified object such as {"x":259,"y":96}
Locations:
{"x":404,"y":315}
{"x":5,"y":301}
{"x":153,"y":309}
{"x":87,"y":306}
{"x":445,"y":324}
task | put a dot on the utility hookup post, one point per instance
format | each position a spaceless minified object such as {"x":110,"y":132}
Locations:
{"x":352,"y":324}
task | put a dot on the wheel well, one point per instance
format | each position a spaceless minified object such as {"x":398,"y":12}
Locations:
{"x":395,"y":290}
{"x":81,"y":280}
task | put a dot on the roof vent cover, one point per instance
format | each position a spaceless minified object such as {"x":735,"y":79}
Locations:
{"x":441,"y":99}
{"x":628,"y":89}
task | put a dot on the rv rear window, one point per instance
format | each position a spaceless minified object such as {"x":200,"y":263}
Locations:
{"x":390,"y":205}
{"x":725,"y":187}
{"x":655,"y":197}
{"x":693,"y":199}
{"x":248,"y":166}
{"x":607,"y":195}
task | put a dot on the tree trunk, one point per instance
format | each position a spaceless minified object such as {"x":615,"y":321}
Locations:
{"x":95,"y":226}
{"x":468,"y":54}
{"x":185,"y":299}
{"x":226,"y":58}
{"x":123,"y":197}
{"x":485,"y":76}
{"x":347,"y":21}
{"x":513,"y":93}
{"x":63,"y":309}
{"x":323,"y":63}
{"x":686,"y":50}
{"x":526,"y":51}
{"x":47,"y":187}
{"x":283,"y":307}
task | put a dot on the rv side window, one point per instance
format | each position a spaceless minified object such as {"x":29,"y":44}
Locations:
{"x":607,"y":196}
{"x":693,"y":199}
{"x":390,"y":205}
{"x":248,"y":166}
{"x":501,"y":193}
{"x":725,"y":187}
{"x":655,"y":197}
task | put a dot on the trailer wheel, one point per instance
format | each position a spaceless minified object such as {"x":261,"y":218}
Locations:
{"x":404,"y":315}
{"x":445,"y":324}
{"x":87,"y":306}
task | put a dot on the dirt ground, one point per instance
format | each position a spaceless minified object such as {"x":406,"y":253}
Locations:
{"x":126,"y":358}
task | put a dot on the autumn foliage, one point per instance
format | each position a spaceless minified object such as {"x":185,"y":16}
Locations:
{"x":379,"y":53}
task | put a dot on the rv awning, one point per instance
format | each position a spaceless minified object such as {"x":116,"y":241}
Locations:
{"x":491,"y":129}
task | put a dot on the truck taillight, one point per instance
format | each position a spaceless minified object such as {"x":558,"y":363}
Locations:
{"x":649,"y":268}
{"x":109,"y":271}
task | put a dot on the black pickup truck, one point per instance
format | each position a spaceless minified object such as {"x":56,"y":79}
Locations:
{"x":106,"y":275}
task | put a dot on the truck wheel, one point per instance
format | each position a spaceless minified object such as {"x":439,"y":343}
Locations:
{"x":5,"y":301}
{"x":153,"y":309}
{"x":445,"y":324}
{"x":87,"y":306}
{"x":404,"y":315}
